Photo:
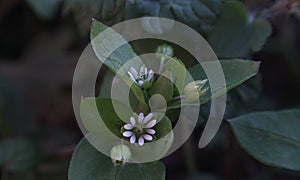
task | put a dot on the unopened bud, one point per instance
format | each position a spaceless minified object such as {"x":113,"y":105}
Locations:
{"x":165,"y":50}
{"x":194,"y":90}
{"x":120,"y":154}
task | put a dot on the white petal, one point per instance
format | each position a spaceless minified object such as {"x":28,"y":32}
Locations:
{"x":127,"y":133}
{"x":151,"y":131}
{"x":134,"y":72}
{"x":151,"y":124}
{"x":148,"y":118}
{"x":141,"y":82}
{"x":148,"y":137}
{"x":146,"y":70}
{"x":141,"y":118}
{"x":128,"y":126}
{"x":132,"y":121}
{"x":141,"y":141}
{"x":132,"y":139}
{"x":131,"y":77}
{"x":142,"y":70}
{"x":150,"y":75}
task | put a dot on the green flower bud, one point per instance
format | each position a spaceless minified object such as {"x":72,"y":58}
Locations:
{"x":165,"y":50}
{"x":120,"y":154}
{"x":194,"y":90}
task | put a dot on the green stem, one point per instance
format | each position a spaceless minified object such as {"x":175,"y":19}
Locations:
{"x":161,"y":66}
{"x":4,"y":130}
{"x":189,"y":157}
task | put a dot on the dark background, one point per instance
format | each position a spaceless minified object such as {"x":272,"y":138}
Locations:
{"x":38,"y":56}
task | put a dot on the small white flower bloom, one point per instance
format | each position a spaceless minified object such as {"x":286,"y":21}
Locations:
{"x":139,"y":129}
{"x":143,"y":78}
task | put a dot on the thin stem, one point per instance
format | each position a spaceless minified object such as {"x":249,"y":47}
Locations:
{"x":189,"y":157}
{"x":161,"y":66}
{"x":4,"y":130}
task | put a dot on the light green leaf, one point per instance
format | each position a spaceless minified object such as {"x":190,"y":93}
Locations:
{"x":272,"y":138}
{"x":106,"y":48}
{"x":88,"y":163}
{"x":178,"y":72}
{"x":18,"y":155}
{"x":236,"y":34}
{"x":235,"y":72}
{"x":163,"y":86}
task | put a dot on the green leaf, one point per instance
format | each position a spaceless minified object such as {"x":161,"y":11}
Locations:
{"x":178,"y":72}
{"x":106,"y":48}
{"x":45,"y":9}
{"x":236,"y":34}
{"x":190,"y":12}
{"x":18,"y":155}
{"x":235,"y":72}
{"x":163,"y":86}
{"x":112,"y":49}
{"x":88,"y":163}
{"x":273,"y":138}
{"x":107,"y":112}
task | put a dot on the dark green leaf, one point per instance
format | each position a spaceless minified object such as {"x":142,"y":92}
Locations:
{"x":18,"y":155}
{"x":236,"y":34}
{"x":88,"y":163}
{"x":45,"y":9}
{"x":235,"y":72}
{"x":273,"y":138}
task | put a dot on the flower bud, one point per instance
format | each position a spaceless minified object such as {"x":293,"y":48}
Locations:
{"x":165,"y":50}
{"x":194,"y":90}
{"x":120,"y":154}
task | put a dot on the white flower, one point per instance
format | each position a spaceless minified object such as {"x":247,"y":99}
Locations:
{"x":143,"y":78}
{"x":141,"y":129}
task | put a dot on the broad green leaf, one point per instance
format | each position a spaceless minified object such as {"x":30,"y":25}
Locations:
{"x":178,"y":72}
{"x":88,"y":163}
{"x":107,"y":112}
{"x":113,"y":50}
{"x":236,"y":34}
{"x":163,"y":86}
{"x":18,"y":155}
{"x":235,"y":72}
{"x":45,"y":9}
{"x":273,"y":138}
